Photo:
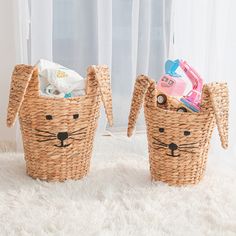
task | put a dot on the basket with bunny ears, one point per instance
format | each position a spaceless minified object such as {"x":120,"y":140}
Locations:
{"x":58,"y":133}
{"x":178,"y":142}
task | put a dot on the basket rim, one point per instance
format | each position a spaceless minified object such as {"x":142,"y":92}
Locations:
{"x":22,"y":74}
{"x":62,"y":99}
{"x":179,"y":113}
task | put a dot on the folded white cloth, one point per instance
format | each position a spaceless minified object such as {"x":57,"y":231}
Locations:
{"x":52,"y":91}
{"x":60,"y":81}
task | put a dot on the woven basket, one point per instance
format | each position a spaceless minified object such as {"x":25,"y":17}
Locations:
{"x":58,"y":133}
{"x":178,"y":142}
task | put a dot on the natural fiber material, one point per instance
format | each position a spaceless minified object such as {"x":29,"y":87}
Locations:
{"x":58,"y":133}
{"x":178,"y":142}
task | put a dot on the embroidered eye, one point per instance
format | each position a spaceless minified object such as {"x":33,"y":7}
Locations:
{"x":186,"y":133}
{"x":76,"y":116}
{"x":48,"y":117}
{"x":161,"y":130}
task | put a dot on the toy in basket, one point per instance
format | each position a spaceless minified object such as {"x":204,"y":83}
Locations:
{"x":58,"y":133}
{"x":171,"y":88}
{"x":178,"y":142}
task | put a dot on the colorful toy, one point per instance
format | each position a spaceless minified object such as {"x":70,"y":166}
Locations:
{"x":170,"y":103}
{"x":193,"y":99}
{"x":171,"y":87}
{"x":171,"y":67}
{"x":171,"y":83}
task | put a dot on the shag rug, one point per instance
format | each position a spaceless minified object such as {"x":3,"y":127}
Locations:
{"x":117,"y":197}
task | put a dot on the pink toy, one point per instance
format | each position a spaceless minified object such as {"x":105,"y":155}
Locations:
{"x":171,"y":86}
{"x":193,"y":99}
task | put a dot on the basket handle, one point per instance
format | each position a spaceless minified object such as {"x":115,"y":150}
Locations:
{"x":140,"y":89}
{"x":219,"y":98}
{"x":20,"y":79}
{"x":99,"y":77}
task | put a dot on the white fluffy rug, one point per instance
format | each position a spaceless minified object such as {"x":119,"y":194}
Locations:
{"x":117,"y":198}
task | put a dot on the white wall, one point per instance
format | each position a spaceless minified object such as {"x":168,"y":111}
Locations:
{"x":7,"y":62}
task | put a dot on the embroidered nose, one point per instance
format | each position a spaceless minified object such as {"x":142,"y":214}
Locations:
{"x":173,"y":146}
{"x":62,"y":136}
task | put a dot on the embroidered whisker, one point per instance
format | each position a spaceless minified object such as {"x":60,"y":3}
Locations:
{"x":77,"y":133}
{"x":78,"y":130}
{"x":187,"y":144}
{"x":75,"y":138}
{"x":187,"y":151}
{"x":157,"y":148}
{"x":187,"y":147}
{"x":160,"y":141}
{"x":44,"y":131}
{"x":45,"y":140}
{"x":45,"y":136}
{"x":160,"y":144}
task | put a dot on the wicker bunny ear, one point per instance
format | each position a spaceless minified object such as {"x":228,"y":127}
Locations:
{"x":140,"y":88}
{"x":19,"y":83}
{"x":219,"y":98}
{"x":99,"y":75}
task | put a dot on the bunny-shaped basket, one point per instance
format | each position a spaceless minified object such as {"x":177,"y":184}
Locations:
{"x":178,"y":142}
{"x":58,"y":133}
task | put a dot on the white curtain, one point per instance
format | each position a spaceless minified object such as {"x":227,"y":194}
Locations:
{"x":22,"y":34}
{"x":203,"y":33}
{"x":131,"y":36}
{"x":41,"y":40}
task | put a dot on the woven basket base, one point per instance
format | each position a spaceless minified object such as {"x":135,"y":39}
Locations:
{"x":178,"y":142}
{"x":58,"y":133}
{"x":179,"y":183}
{"x":53,"y":177}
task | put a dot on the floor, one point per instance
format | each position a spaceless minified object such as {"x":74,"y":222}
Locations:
{"x":117,"y":197}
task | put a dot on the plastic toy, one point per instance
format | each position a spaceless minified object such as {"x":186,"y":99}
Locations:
{"x":193,"y":99}
{"x":171,"y":83}
{"x":171,"y":67}
{"x":170,"y":103}
{"x":171,"y":86}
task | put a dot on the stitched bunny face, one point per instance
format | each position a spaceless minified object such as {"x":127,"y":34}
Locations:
{"x":171,"y":139}
{"x":178,"y":142}
{"x":58,"y":133}
{"x":56,"y":125}
{"x":178,"y":146}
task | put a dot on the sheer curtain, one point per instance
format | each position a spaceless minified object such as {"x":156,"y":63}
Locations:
{"x":131,"y":36}
{"x":203,"y":33}
{"x":22,"y":35}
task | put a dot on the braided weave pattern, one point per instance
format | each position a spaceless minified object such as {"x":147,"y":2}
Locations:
{"x":178,"y":143}
{"x":60,"y":147}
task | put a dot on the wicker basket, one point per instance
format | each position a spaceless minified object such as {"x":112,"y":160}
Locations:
{"x":178,"y":142}
{"x":58,"y":133}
